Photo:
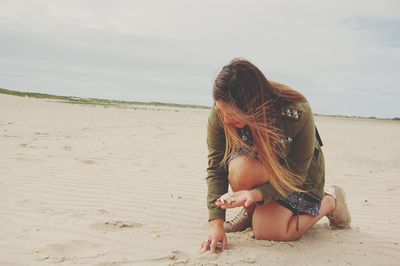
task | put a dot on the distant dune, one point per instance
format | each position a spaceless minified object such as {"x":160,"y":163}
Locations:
{"x":93,"y":101}
{"x":106,"y":102}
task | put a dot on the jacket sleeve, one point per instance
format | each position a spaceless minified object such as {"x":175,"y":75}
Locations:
{"x":217,"y":176}
{"x":303,"y":146}
{"x":301,"y":152}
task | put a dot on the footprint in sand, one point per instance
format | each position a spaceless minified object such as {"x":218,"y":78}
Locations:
{"x":111,"y":226}
{"x":88,"y":161}
{"x":77,"y":249}
{"x":42,"y":133}
{"x":168,"y":258}
{"x":67,"y":148}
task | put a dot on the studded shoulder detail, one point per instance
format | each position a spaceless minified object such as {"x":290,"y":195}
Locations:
{"x":291,"y":113}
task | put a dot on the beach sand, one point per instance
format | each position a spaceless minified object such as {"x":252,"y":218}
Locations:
{"x":94,"y":185}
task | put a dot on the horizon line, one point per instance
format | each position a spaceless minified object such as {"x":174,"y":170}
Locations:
{"x":107,"y":102}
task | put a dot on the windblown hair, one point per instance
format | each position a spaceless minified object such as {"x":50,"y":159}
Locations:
{"x":258,"y":102}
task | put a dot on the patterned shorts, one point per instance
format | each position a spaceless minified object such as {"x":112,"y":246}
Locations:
{"x":301,"y":203}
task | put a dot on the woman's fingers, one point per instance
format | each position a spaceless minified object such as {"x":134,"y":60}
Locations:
{"x":227,"y":200}
{"x":235,"y":199}
{"x":205,"y":246}
{"x":230,"y":200}
{"x":213,"y":245}
{"x":217,"y":245}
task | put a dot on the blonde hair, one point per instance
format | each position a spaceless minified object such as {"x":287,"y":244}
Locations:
{"x":256,"y":102}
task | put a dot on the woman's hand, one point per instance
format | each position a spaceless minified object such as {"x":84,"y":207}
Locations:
{"x":240,"y":198}
{"x":217,"y":237}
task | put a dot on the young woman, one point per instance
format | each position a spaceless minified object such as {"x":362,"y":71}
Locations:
{"x":262,"y":141}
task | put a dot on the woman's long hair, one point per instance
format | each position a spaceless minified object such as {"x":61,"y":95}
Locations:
{"x":258,"y":103}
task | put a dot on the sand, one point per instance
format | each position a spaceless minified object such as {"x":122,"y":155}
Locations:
{"x":94,"y":185}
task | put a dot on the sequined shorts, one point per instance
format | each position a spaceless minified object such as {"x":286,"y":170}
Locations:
{"x":301,"y":203}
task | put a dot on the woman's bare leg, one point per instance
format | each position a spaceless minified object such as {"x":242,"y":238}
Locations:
{"x":244,"y":174}
{"x":275,"y":222}
{"x":271,"y":221}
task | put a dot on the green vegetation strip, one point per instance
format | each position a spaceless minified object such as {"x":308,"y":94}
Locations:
{"x":94,"y":101}
{"x":104,"y":102}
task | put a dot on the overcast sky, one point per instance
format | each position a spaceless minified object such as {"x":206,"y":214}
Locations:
{"x":344,"y":56}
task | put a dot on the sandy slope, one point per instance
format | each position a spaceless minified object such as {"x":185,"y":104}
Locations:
{"x":111,"y":186}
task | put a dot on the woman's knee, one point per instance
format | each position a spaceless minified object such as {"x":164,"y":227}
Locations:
{"x":245,"y":173}
{"x":270,"y":222}
{"x":271,"y":236}
{"x":281,"y":238}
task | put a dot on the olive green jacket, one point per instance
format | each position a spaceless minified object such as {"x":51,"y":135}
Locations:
{"x":302,"y":150}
